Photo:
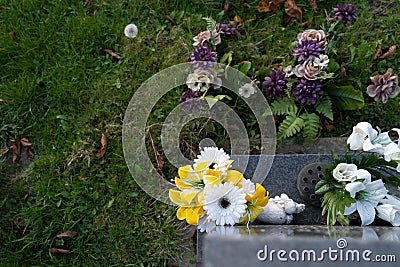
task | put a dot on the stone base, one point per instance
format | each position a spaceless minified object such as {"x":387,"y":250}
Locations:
{"x":296,"y":245}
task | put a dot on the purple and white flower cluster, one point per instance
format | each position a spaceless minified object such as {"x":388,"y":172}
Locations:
{"x":310,"y":69}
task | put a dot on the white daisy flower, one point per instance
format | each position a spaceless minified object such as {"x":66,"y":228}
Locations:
{"x":131,"y":31}
{"x":216,"y":159}
{"x":225,"y":203}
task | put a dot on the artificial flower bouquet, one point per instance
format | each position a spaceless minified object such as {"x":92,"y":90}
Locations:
{"x":359,"y":183}
{"x":210,"y":194}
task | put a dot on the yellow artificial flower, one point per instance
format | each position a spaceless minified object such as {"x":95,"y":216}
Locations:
{"x":190,"y":207}
{"x":255,"y":204}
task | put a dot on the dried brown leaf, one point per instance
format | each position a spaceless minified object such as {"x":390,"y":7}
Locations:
{"x":389,"y":53}
{"x":4,"y":151}
{"x":246,"y":5}
{"x":12,"y":35}
{"x":67,"y":234}
{"x":378,"y":53}
{"x":113,"y":54}
{"x":269,"y":6}
{"x":329,"y":126}
{"x":343,"y":72}
{"x":87,"y":3}
{"x":292,"y":10}
{"x":30,"y":153}
{"x":226,"y":6}
{"x":83,"y":178}
{"x":173,"y":22}
{"x":2,"y":100}
{"x":313,"y":4}
{"x":59,"y":251}
{"x":25,"y":142}
{"x":103,"y":147}
{"x":16,"y":149}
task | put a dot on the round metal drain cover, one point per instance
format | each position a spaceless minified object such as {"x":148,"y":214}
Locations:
{"x":308,"y":177}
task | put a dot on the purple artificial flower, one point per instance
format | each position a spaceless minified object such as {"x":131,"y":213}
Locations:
{"x":202,"y":56}
{"x":225,"y":30}
{"x":191,"y":102}
{"x":276,"y":84}
{"x":307,"y":50}
{"x":308,"y":92}
{"x":345,"y":13}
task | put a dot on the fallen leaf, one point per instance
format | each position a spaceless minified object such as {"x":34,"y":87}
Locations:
{"x":226,"y":6}
{"x":87,"y":3}
{"x":4,"y":151}
{"x":269,"y":6}
{"x":293,"y":10}
{"x":16,"y":148}
{"x":313,"y":4}
{"x":30,"y":153}
{"x":25,"y":142}
{"x":160,"y":161}
{"x":170,"y":19}
{"x":378,"y":53}
{"x":113,"y":54}
{"x":389,"y":53}
{"x":103,"y":147}
{"x":329,"y":126}
{"x":67,"y":234}
{"x":59,"y":251}
{"x":2,"y":100}
{"x":245,"y":5}
{"x":12,"y":35}
{"x":83,"y":178}
{"x":343,"y":72}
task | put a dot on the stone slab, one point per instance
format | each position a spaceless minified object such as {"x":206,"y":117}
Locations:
{"x":282,"y":178}
{"x":294,"y":245}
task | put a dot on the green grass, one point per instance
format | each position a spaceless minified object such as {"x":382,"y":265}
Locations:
{"x":61,"y":91}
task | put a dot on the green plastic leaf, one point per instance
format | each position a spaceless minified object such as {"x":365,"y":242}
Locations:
{"x":284,"y":106}
{"x":290,"y":126}
{"x":346,"y":97}
{"x":311,"y":126}
{"x":211,"y":100}
{"x":335,"y":202}
{"x":245,"y":67}
{"x":227,"y":58}
{"x":321,"y":187}
{"x":333,"y":66}
{"x":324,"y":107}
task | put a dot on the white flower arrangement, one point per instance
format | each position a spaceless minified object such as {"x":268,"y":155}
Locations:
{"x":358,"y":183}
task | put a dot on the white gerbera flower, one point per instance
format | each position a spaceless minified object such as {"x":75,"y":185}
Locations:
{"x":206,"y":225}
{"x":131,"y":31}
{"x":216,"y":159}
{"x":225,"y":204}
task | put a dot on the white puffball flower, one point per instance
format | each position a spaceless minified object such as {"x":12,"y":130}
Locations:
{"x":131,"y":31}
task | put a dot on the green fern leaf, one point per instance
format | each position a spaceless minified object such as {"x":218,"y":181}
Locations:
{"x":346,"y":97}
{"x":290,"y":126}
{"x":311,"y":126}
{"x":284,"y":106}
{"x":335,"y":202}
{"x":324,"y":106}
